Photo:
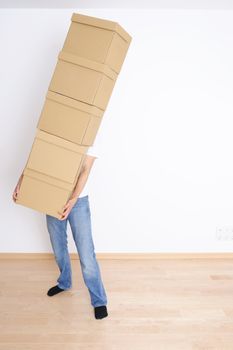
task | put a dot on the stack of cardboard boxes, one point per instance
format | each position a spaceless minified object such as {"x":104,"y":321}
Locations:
{"x":78,"y":94}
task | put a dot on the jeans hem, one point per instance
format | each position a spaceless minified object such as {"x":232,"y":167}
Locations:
{"x":95,"y":305}
{"x":65,"y":288}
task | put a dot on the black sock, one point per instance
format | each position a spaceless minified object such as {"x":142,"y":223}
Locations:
{"x":54,"y":290}
{"x":101,"y":311}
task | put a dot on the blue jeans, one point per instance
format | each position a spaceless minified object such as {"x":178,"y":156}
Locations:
{"x":80,"y":223}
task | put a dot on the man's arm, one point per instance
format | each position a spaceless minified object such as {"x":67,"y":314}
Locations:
{"x":83,"y":176}
{"x":81,"y":181}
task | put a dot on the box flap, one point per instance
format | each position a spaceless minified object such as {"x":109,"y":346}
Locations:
{"x":80,"y":61}
{"x":70,"y":102}
{"x":42,"y":135}
{"x":48,"y":179}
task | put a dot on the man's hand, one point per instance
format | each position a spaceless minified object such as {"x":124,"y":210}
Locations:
{"x":16,"y":193}
{"x":67,"y":208}
{"x":17,"y":188}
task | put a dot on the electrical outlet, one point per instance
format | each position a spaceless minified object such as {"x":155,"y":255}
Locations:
{"x":224,"y":233}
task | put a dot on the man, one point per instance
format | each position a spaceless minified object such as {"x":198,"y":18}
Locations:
{"x":77,"y":212}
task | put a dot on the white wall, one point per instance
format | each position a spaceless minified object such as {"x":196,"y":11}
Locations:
{"x":164,"y":181}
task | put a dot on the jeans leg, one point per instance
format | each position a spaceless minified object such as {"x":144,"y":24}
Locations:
{"x":58,"y":237}
{"x":80,"y":223}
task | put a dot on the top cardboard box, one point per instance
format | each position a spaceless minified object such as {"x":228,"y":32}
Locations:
{"x":98,"y":40}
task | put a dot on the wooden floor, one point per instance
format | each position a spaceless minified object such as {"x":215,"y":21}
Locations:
{"x":152,"y":304}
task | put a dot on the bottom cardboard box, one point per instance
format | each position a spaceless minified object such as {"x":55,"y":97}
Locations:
{"x":42,"y":196}
{"x":51,"y":173}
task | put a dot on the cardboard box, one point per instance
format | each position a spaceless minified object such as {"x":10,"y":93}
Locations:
{"x":43,"y":193}
{"x":70,"y":119}
{"x":84,"y":80}
{"x":97,"y":40}
{"x":81,"y":86}
{"x":53,"y":165}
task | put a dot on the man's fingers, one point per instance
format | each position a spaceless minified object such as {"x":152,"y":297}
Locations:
{"x":61,"y":214}
{"x":64,"y":214}
{"x":15,"y":195}
{"x":63,"y":217}
{"x":65,"y":211}
{"x":66,"y":206}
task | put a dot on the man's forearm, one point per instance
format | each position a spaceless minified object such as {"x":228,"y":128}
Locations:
{"x":82,"y":179}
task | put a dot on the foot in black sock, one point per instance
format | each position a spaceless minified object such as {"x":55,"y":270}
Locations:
{"x":101,"y":311}
{"x":54,"y":290}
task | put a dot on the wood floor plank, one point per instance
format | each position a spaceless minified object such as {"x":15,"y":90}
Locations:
{"x":153,"y":304}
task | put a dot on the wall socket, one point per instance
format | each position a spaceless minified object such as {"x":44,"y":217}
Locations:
{"x":224,"y":233}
